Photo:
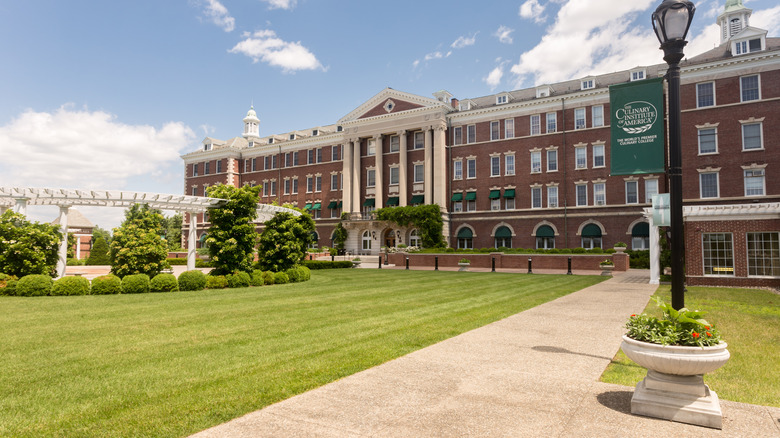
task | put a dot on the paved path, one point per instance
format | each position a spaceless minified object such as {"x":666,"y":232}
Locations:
{"x":532,"y":374}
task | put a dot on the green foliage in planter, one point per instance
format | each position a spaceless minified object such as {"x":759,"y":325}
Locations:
{"x":137,"y":247}
{"x":27,"y":247}
{"x":35,"y":285}
{"x":427,"y":218}
{"x":135,"y":283}
{"x":71,"y":286}
{"x":238,"y":279}
{"x":106,"y":285}
{"x":99,"y":254}
{"x":676,"y":327}
{"x":268,"y":277}
{"x":8,"y":284}
{"x":256,"y":279}
{"x":164,"y":283}
{"x":284,"y":241}
{"x":192,"y":280}
{"x":216,"y":282}
{"x":281,"y":278}
{"x":232,"y":237}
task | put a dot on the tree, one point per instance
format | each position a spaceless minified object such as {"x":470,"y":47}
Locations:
{"x":284,"y":241}
{"x":173,"y":231}
{"x":425,"y":217}
{"x":340,"y":235}
{"x":71,"y":246}
{"x":232,"y":237}
{"x":138,"y":246}
{"x":99,"y":232}
{"x":28,"y":247}
{"x":99,"y":255}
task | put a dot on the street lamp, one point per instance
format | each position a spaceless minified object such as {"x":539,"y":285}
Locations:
{"x":671,"y":21}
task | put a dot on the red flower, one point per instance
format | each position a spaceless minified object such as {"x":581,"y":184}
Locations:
{"x":695,"y":335}
{"x":706,"y":327}
{"x":633,"y":315}
{"x":709,"y":334}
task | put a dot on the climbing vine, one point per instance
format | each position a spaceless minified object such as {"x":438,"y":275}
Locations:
{"x":427,"y":218}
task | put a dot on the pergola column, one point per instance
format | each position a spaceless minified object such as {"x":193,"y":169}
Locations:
{"x":63,"y":253}
{"x":192,"y":241}
{"x":21,"y":206}
{"x":379,"y":184}
{"x":402,"y":183}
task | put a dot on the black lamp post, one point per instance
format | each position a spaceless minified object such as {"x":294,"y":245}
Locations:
{"x":671,"y":21}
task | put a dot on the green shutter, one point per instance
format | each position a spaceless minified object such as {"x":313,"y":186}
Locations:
{"x":494,"y":194}
{"x":369,"y":202}
{"x":457,"y":197}
{"x":471,"y":196}
{"x":509,"y":193}
{"x":503,"y":232}
{"x":545,"y":231}
{"x":465,"y":233}
{"x":591,"y":230}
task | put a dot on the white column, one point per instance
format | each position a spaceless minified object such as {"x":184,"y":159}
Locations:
{"x":21,"y":206}
{"x":402,"y":183}
{"x":346,"y":176}
{"x":379,"y":164}
{"x":655,"y":249}
{"x":63,"y":253}
{"x":428,"y":166}
{"x":357,"y":169}
{"x":192,"y":239}
{"x":440,"y":168}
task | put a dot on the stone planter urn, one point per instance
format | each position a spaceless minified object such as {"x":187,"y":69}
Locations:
{"x":619,"y":249}
{"x":606,"y":270}
{"x":356,"y":263}
{"x":674,"y":387}
{"x":463,"y":266}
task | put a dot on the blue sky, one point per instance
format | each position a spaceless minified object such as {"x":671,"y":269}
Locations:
{"x":108,"y":94}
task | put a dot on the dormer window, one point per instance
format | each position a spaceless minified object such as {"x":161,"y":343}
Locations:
{"x":544,"y":91}
{"x":251,"y":144}
{"x":270,"y":140}
{"x":502,"y":99}
{"x":749,"y":46}
{"x":292,"y":136}
{"x":464,"y":106}
{"x":637,"y":75}
{"x":315,"y":132}
{"x":339,"y":128}
{"x":587,"y":84}
{"x":207,"y":147}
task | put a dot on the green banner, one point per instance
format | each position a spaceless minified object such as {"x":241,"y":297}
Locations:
{"x":637,"y":127}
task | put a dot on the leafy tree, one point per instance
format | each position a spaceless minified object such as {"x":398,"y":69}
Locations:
{"x":427,"y":218}
{"x":99,"y":232}
{"x":340,"y":235}
{"x":232,"y":237}
{"x":27,"y":247}
{"x":173,"y":231}
{"x":138,"y":246}
{"x":284,"y":241}
{"x":71,"y":246}
{"x":99,"y":255}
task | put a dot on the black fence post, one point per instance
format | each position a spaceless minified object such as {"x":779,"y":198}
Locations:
{"x":380,"y":261}
{"x":436,"y":263}
{"x":407,"y":263}
{"x":529,"y":266}
{"x":569,"y":272}
{"x":493,"y":265}
{"x":332,"y":257}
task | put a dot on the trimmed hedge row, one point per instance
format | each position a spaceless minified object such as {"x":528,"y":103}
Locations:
{"x":327,"y":264}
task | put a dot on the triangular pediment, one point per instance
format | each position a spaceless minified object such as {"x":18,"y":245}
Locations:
{"x":748,"y":32}
{"x":390,"y":101}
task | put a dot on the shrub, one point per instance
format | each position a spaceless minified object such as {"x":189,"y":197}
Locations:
{"x":192,"y":280}
{"x":238,"y":279}
{"x":176,"y":261}
{"x":71,"y":286}
{"x":326,"y":264}
{"x":106,"y":285}
{"x":256,"y":278}
{"x":27,"y":247}
{"x":74,"y":262}
{"x":8,"y":284}
{"x":135,"y":284}
{"x":293,"y":274}
{"x":216,"y":282}
{"x":639,"y":259}
{"x":281,"y":278}
{"x":268,"y":276}
{"x":99,"y":254}
{"x":164,"y":283}
{"x":35,"y":285}
{"x":203,"y":263}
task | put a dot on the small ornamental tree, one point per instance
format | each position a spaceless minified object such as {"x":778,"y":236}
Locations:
{"x":284,"y":241}
{"x":137,"y":246}
{"x":427,"y":218}
{"x":27,"y":247}
{"x":99,"y":254}
{"x":340,"y":235}
{"x":232,"y":237}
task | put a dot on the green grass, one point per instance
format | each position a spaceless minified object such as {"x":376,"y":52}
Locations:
{"x":173,"y":364}
{"x":748,"y":320}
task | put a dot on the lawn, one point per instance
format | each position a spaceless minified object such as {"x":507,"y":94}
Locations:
{"x":176,"y":363}
{"x":748,"y":320}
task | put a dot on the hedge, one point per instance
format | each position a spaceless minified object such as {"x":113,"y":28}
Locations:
{"x":192,"y":280}
{"x":71,"y":286}
{"x":216,"y":282}
{"x":35,"y":285}
{"x":238,"y":279}
{"x":326,"y":264}
{"x":257,"y":278}
{"x":106,"y":285}
{"x":281,"y":278}
{"x":164,"y":283}
{"x":135,"y":284}
{"x":8,"y":284}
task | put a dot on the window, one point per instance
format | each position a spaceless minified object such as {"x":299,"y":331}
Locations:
{"x":334,"y":152}
{"x":495,"y":132}
{"x":219,"y":166}
{"x":206,"y":166}
{"x":552,"y":122}
{"x":457,"y":135}
{"x":465,"y":238}
{"x":705,"y":94}
{"x":457,"y":206}
{"x":309,"y":184}
{"x":749,"y":88}
{"x":371,"y":147}
{"x":265,"y":188}
{"x":471,"y":168}
{"x":637,"y":75}
{"x":503,"y":237}
{"x":319,"y":155}
{"x":718,"y":254}
{"x":545,"y":237}
{"x":651,"y":189}
{"x":502,"y":99}
{"x":582,"y":194}
{"x":708,"y":141}
{"x":334,"y":182}
{"x":509,"y":128}
{"x":581,"y":157}
{"x":287,"y":187}
{"x":310,"y":157}
{"x":395,"y":143}
{"x":419,"y":140}
{"x":274,"y":162}
{"x":632,"y":192}
{"x":536,"y":197}
{"x":419,"y":173}
{"x":414,"y":238}
{"x":535,"y":124}
{"x":579,"y":118}
{"x":273,"y":188}
{"x":763,"y":254}
{"x":366,"y":240}
{"x":552,"y":161}
{"x":598,"y":115}
{"x":370,"y":178}
{"x":318,"y":183}
{"x":471,"y":134}
{"x":471,"y":201}
{"x":495,"y":204}
{"x":295,"y":158}
{"x":509,"y":164}
{"x":288,"y":159}
{"x":295,"y":186}
{"x":509,"y":203}
{"x":640,"y":237}
{"x":599,"y":193}
{"x":552,"y":197}
{"x":266,"y":163}
{"x":495,"y":166}
{"x":195,"y":169}
{"x":457,"y":169}
{"x":591,"y":236}
{"x":394,"y":176}
{"x":194,"y":191}
{"x":754,"y":182}
{"x":751,"y":136}
{"x":708,"y":184}
{"x":206,"y":189}
{"x":598,"y":155}
{"x":536,"y":162}
{"x":587,"y":84}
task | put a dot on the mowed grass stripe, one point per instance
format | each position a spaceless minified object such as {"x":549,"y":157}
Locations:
{"x":172,"y":364}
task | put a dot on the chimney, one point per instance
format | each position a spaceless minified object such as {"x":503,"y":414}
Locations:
{"x":454,"y":103}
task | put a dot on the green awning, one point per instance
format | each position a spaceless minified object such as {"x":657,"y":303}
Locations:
{"x":591,"y":230}
{"x":457,"y":197}
{"x":307,"y":206}
{"x":317,"y":206}
{"x":494,"y":194}
{"x":369,"y":202}
{"x":545,"y":231}
{"x":392,"y":201}
{"x":417,"y":199}
{"x":465,"y":233}
{"x":509,"y":193}
{"x":503,"y":232}
{"x":471,"y":196}
{"x":642,"y":229}
{"x":341,"y":204}
{"x":333,"y":204}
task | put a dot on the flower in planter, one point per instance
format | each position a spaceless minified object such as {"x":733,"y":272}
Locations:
{"x":606,"y":262}
{"x":676,"y":327}
{"x":620,"y":245}
{"x":464,"y":260}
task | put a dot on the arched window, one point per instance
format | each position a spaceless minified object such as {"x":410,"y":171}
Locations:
{"x":414,"y":238}
{"x":366,"y":240}
{"x":315,"y":238}
{"x":545,"y":237}
{"x":591,"y":236}
{"x":465,"y":238}
{"x":390,"y":239}
{"x":503,"y":237}
{"x":640,"y":236}
{"x":202,"y":240}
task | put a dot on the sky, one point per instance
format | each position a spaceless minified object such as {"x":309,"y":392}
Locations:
{"x":99,"y":94}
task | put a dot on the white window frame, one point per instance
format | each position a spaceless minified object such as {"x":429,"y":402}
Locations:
{"x":334,"y":182}
{"x":552,"y":160}
{"x":395,"y":143}
{"x":509,"y":203}
{"x":742,"y":89}
{"x":584,"y":189}
{"x":760,"y":136}
{"x":600,"y":193}
{"x":471,"y":134}
{"x":536,"y":161}
{"x":419,"y":140}
{"x":371,"y":147}
{"x":370,"y":177}
{"x":699,"y":96}
{"x":717,"y":185}
{"x":502,"y":99}
{"x":552,"y":197}
{"x":471,"y":168}
{"x":701,"y":133}
{"x":580,"y":157}
{"x":552,"y":122}
{"x":638,"y":75}
{"x":598,"y":153}
{"x":536,"y":197}
{"x":651,"y":188}
{"x":536,"y":124}
{"x":495,"y":204}
{"x":509,"y":164}
{"x":495,"y":165}
{"x":509,"y":128}
{"x":597,"y":115}
{"x":419,"y":175}
{"x":395,"y":175}
{"x":755,"y":173}
{"x":457,"y":135}
{"x":580,"y":121}
{"x":457,"y":169}
{"x":587,"y":84}
{"x":635,"y":184}
{"x":495,"y":130}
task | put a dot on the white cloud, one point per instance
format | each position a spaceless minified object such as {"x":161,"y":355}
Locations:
{"x":434,"y":55}
{"x":532,"y":10}
{"x":504,"y":34}
{"x":264,"y":45}
{"x":462,"y":41}
{"x":493,"y":79}
{"x":768,"y":19}
{"x":219,"y":15}
{"x":281,"y":4}
{"x":85,"y":149}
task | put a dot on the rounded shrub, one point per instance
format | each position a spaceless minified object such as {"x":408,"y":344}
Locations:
{"x":164,"y":283}
{"x":192,"y":280}
{"x":293,"y":274}
{"x":71,"y":286}
{"x":256,"y":278}
{"x":135,"y":284}
{"x":238,"y":279}
{"x":281,"y":278}
{"x":305,"y":273}
{"x":216,"y":282}
{"x":35,"y":285}
{"x":106,"y":285}
{"x":8,"y":284}
{"x":268,"y":277}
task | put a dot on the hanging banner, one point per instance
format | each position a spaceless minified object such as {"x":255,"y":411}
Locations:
{"x":637,"y":125}
{"x":661,"y":213}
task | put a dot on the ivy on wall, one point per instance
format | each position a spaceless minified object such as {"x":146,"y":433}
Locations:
{"x":427,"y":219}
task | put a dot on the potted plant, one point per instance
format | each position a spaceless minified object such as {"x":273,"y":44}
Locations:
{"x":620,"y":247}
{"x":464,"y":264}
{"x":606,"y":267}
{"x":356,"y":262}
{"x":677,"y":350}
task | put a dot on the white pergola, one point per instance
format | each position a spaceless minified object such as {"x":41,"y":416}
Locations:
{"x":19,"y":198}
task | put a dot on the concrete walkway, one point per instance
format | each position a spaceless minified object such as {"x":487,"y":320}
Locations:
{"x":530,"y":375}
